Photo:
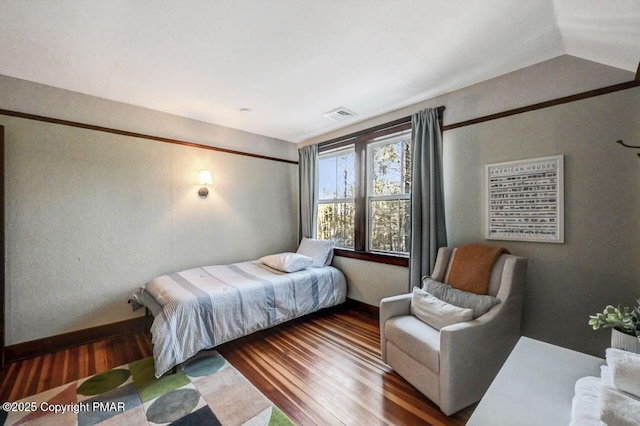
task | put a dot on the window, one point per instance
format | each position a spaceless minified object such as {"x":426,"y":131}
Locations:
{"x":364,"y":192}
{"x":388,"y":193}
{"x":336,"y":194}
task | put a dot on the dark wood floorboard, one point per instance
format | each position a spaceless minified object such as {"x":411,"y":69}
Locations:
{"x":323,"y":369}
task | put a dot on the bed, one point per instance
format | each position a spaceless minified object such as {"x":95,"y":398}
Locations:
{"x":203,"y":307}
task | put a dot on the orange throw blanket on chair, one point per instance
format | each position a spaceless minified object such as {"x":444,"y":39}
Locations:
{"x":471,"y":267}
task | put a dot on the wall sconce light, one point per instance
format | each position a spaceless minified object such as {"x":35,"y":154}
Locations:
{"x":205,"y":179}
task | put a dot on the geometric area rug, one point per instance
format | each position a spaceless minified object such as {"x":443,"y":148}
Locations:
{"x":205,"y":390}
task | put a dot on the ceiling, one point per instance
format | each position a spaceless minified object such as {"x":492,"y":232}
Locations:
{"x":290,"y":61}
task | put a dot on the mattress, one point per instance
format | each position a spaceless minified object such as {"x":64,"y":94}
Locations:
{"x":203,"y":307}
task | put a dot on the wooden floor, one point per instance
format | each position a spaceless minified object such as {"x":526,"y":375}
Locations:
{"x":23,"y":378}
{"x":324,"y":369}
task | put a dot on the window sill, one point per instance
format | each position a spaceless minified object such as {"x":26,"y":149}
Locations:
{"x":373,"y":257}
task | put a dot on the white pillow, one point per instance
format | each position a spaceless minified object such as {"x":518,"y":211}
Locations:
{"x":321,"y":251}
{"x":435,"y":312}
{"x":287,"y":262}
{"x":463,"y":299}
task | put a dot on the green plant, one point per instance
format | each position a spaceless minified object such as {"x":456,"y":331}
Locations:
{"x":621,"y":318}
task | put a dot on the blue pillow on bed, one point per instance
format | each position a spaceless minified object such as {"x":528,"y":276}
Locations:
{"x":287,"y":262}
{"x":321,"y":251}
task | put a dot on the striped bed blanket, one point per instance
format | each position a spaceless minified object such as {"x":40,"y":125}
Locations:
{"x":204,"y":307}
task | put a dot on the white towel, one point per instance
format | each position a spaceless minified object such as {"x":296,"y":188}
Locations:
{"x":605,"y":375}
{"x":585,"y":410}
{"x":625,"y":370}
{"x":585,"y":405}
{"x":588,"y":386}
{"x":618,"y":408}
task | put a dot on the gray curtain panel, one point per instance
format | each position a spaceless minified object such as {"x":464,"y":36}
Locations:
{"x":428,"y":229}
{"x":308,"y":180}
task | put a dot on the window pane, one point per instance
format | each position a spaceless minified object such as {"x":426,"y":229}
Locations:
{"x":336,"y":175}
{"x":390,"y":226}
{"x":327,"y":178}
{"x":336,"y":222}
{"x":346,"y":175}
{"x":391,"y":167}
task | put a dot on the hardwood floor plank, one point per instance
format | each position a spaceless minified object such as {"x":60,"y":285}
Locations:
{"x":45,"y":374}
{"x":11,"y":378}
{"x":323,"y":369}
{"x":58,"y":371}
{"x":20,"y":383}
{"x":33,"y":372}
{"x":9,"y":374}
{"x":101,"y":355}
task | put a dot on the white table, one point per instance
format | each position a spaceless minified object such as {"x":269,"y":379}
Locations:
{"x":534,"y":386}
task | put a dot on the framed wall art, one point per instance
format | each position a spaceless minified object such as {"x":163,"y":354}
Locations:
{"x":525,"y":200}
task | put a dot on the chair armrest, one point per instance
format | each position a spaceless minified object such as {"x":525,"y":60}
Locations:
{"x":472,"y":353}
{"x":392,"y":307}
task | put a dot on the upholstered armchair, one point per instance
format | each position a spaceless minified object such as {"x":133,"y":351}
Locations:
{"x":455,"y":365}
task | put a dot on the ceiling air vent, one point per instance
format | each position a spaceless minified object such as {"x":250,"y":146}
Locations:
{"x":339,"y":114}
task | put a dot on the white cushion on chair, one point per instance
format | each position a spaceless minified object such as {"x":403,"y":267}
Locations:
{"x":435,"y":312}
{"x":480,"y":304}
{"x":417,"y":339}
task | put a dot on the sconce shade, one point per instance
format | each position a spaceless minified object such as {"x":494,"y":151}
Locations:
{"x":205,"y":177}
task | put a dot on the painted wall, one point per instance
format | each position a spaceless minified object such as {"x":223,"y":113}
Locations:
{"x":370,"y":282}
{"x":598,"y":264}
{"x":91,"y":216}
{"x":562,"y":76}
{"x":39,"y":99}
